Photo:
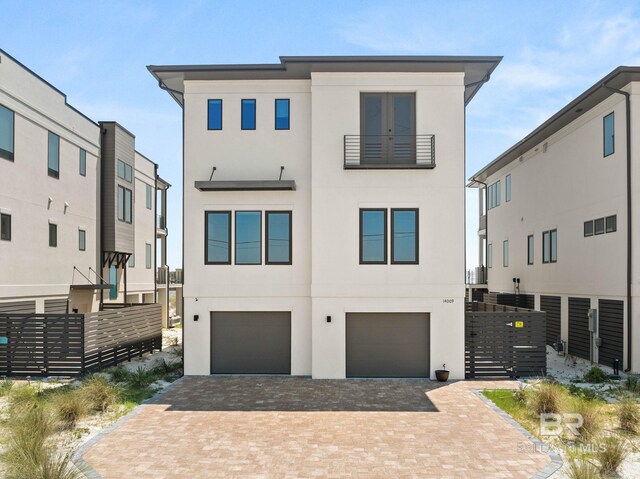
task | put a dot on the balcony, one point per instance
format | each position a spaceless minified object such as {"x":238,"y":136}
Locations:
{"x":389,"y":152}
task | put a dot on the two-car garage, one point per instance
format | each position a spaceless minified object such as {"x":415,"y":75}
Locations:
{"x":377,"y":344}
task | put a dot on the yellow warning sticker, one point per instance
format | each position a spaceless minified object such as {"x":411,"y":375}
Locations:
{"x":519,"y":324}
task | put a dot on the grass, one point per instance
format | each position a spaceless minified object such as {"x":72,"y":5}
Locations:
{"x":545,"y":398}
{"x":581,"y":469}
{"x":595,"y":375}
{"x":611,"y":453}
{"x":632,"y":383}
{"x":5,"y":387}
{"x":591,"y":417}
{"x":510,"y":403}
{"x":98,"y":394}
{"x":70,"y":407}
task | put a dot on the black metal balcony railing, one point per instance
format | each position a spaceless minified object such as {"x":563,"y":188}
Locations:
{"x":161,"y":222}
{"x":389,"y":151}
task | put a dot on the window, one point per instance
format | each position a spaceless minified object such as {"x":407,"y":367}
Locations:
{"x":147,"y":256}
{"x":7,"y":122}
{"x":373,"y":236}
{"x":278,"y":239}
{"x":124,"y":204}
{"x":612,"y":223}
{"x":550,"y":246}
{"x":588,"y":228}
{"x":5,"y":227}
{"x":83,"y":162}
{"x":125,"y":171}
{"x":494,"y":194}
{"x":599,"y":226}
{"x":505,"y":253}
{"x":113,"y":281}
{"x":248,"y":117}
{"x":530,"y":249}
{"x":132,"y":260}
{"x":490,"y":255}
{"x":217,"y":237}
{"x":53,"y":154}
{"x":507,"y":188}
{"x":545,"y":247}
{"x":404,"y":236}
{"x":53,"y":235}
{"x":283,"y":111}
{"x":248,"y":237}
{"x":214,"y":115}
{"x":82,"y":240}
{"x":554,"y":245}
{"x":149,"y":196}
{"x":609,"y":134}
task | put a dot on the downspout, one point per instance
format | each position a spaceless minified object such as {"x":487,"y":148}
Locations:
{"x":627,"y":97}
{"x":486,"y":229}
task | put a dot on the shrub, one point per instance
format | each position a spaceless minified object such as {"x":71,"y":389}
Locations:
{"x":596,"y":375}
{"x":177,"y":351}
{"x":98,"y":394}
{"x":628,"y":414}
{"x":546,"y":398}
{"x":591,"y":418}
{"x":633,"y":383}
{"x":579,"y":469}
{"x":611,"y":452}
{"x":141,"y":377}
{"x":69,"y":407}
{"x":119,"y":374}
{"x":584,"y":393}
{"x":23,"y":397}
{"x":162,"y":367}
{"x":5,"y":387}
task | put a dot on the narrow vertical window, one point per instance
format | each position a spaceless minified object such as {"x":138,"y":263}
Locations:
{"x":53,"y":235}
{"x":404,"y":236}
{"x":507,"y":188}
{"x":599,"y":226}
{"x":83,"y":162}
{"x":505,"y":253}
{"x":5,"y":227}
{"x":248,"y":120}
{"x":490,"y":255}
{"x":248,"y":241}
{"x":530,"y":249}
{"x":609,"y":134}
{"x":149,"y":197}
{"x":373,"y":236}
{"x":113,"y":282}
{"x":214,"y":115}
{"x":217,"y":237}
{"x":283,"y":110}
{"x":53,"y":155}
{"x":147,"y":256}
{"x":125,"y":204}
{"x":554,"y":245}
{"x":278,"y":237}
{"x":612,"y":223}
{"x":82,"y":240}
{"x":545,"y":247}
{"x":588,"y":228}
{"x":132,"y":260}
{"x":7,"y":126}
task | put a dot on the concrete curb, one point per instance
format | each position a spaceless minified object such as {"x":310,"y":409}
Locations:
{"x":78,"y":460}
{"x":556,"y":459}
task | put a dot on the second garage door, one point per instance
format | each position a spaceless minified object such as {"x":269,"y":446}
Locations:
{"x":387,"y":344}
{"x":251,"y":342}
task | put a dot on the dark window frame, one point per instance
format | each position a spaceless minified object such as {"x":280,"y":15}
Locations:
{"x":595,"y":226}
{"x":266,"y":237}
{"x":386,"y":235}
{"x":6,"y":154}
{"x":82,"y":239}
{"x":82,"y":162}
{"x":235,"y":239}
{"x":255,"y":114}
{"x":209,"y":101}
{"x":505,"y":258}
{"x":553,"y":252}
{"x":53,"y":235}
{"x":546,"y":242}
{"x":490,"y":255}
{"x":148,"y":196}
{"x":126,"y":168}
{"x":585,"y":232}
{"x":4,"y":235}
{"x":613,"y":134}
{"x":206,"y":239}
{"x":507,"y":188}
{"x":275,"y":113}
{"x":530,"y":250}
{"x":148,"y":255}
{"x":53,"y":173}
{"x":615,"y":224}
{"x":417,"y":240}
{"x":124,"y":203}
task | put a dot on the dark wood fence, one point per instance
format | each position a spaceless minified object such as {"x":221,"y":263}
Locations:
{"x":74,"y":344}
{"x":504,"y":341}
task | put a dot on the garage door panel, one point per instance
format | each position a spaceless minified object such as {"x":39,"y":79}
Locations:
{"x":611,"y":330}
{"x":251,"y":342}
{"x":387,"y":344}
{"x":579,"y":336}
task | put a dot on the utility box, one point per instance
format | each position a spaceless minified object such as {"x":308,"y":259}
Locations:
{"x":593,"y":320}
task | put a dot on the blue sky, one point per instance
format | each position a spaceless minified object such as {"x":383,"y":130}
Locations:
{"x":97,"y":52}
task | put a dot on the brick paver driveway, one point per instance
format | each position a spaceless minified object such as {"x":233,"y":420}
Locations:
{"x":259,"y":427}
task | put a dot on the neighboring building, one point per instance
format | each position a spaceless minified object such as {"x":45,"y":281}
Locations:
{"x":62,"y":217}
{"x":324,"y":214}
{"x":560,"y":205}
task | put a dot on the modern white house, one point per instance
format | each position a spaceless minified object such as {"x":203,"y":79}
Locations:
{"x":324,"y":214}
{"x":62,"y":213}
{"x":559,"y":217}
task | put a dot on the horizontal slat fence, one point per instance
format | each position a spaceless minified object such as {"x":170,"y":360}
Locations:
{"x":504,"y":341}
{"x":73,"y":344}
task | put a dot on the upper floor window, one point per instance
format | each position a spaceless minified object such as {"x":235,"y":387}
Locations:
{"x":278,"y":237}
{"x":7,"y":119}
{"x":132,"y":260}
{"x":505,"y":253}
{"x":283,"y":112}
{"x":248,"y":237}
{"x":599,"y":226}
{"x":612,"y":223}
{"x":82,"y":240}
{"x":248,"y":115}
{"x":147,"y":255}
{"x":53,"y":235}
{"x":125,"y":204}
{"x":530,"y":249}
{"x":490,"y":255}
{"x":83,"y":162}
{"x":404,"y":236}
{"x":588,"y":228}
{"x":507,"y":188}
{"x":217,"y":249}
{"x":550,"y":246}
{"x":125,"y":171}
{"x":5,"y":227}
{"x":609,"y":134}
{"x":149,"y":196}
{"x":113,"y":282}
{"x":214,"y":115}
{"x":53,"y":154}
{"x":494,"y":194}
{"x":373,"y":236}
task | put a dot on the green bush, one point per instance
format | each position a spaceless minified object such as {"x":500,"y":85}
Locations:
{"x":545,"y":398}
{"x":596,"y":375}
{"x":611,"y":453}
{"x":24,"y":397}
{"x":119,"y":374}
{"x":69,"y":407}
{"x":98,"y":394}
{"x":584,"y":393}
{"x":5,"y":387}
{"x":141,"y":377}
{"x":628,"y":414}
{"x":633,"y":383}
{"x":580,"y":469}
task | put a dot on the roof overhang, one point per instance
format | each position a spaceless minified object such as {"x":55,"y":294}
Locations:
{"x":477,"y":69}
{"x":616,"y":80}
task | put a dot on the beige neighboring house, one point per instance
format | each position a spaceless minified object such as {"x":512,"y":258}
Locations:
{"x":324,"y":214}
{"x":70,"y":208}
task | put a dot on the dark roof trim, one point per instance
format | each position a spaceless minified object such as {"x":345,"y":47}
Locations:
{"x":246,"y":185}
{"x":617,"y":79}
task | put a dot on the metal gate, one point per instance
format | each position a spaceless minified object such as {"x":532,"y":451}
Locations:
{"x":579,"y":336}
{"x":611,"y":330}
{"x":504,"y":342}
{"x":551,"y":306}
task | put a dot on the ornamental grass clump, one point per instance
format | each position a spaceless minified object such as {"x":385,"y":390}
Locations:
{"x":611,"y":453}
{"x":69,"y":407}
{"x":628,"y":414}
{"x":546,"y":398}
{"x":98,"y":394}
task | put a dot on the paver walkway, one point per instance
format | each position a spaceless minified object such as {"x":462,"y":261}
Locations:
{"x":257,"y":427}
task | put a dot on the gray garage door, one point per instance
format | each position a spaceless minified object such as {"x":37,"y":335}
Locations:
{"x":251,"y":342}
{"x":388,"y":345}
